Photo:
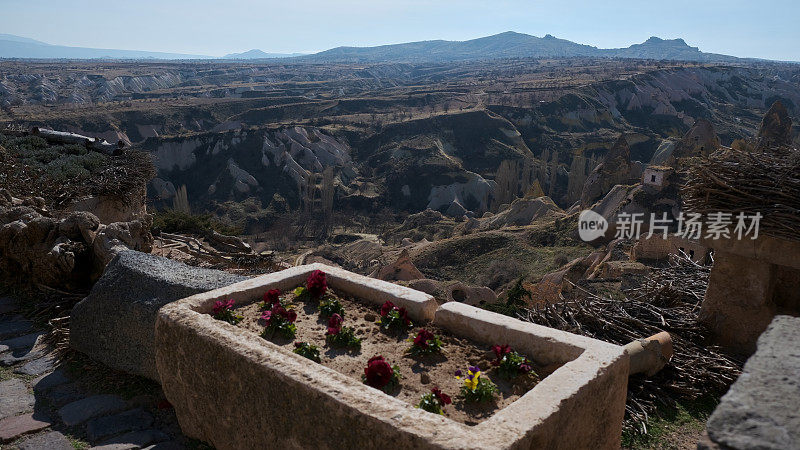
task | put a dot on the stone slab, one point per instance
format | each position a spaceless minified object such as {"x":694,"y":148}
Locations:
{"x":10,"y":358}
{"x":115,"y":323}
{"x":63,"y":394}
{"x":104,"y":427}
{"x":140,"y":438}
{"x":25,"y":342}
{"x":52,"y":440}
{"x":37,"y":366}
{"x":15,"y":398}
{"x":12,"y":428}
{"x":51,"y":380}
{"x":761,"y":409}
{"x":97,"y":405}
{"x":14,"y":327}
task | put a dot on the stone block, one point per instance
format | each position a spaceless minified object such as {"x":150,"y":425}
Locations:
{"x":114,"y":324}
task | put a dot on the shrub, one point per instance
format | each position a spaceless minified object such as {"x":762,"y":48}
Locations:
{"x":171,"y":221}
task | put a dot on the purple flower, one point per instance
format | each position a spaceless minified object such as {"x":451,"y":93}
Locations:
{"x":458,"y":373}
{"x":474,"y":369}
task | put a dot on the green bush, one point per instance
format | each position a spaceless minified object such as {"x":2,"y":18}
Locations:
{"x":170,"y":221}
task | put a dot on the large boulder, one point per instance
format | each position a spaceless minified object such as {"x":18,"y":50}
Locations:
{"x":115,"y":323}
{"x":760,"y":409}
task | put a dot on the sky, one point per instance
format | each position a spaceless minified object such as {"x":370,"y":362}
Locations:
{"x":745,"y":28}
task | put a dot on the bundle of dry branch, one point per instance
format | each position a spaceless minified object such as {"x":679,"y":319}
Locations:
{"x":669,"y":300}
{"x":737,"y":181}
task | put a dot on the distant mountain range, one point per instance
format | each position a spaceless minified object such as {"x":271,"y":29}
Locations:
{"x":19,"y":47}
{"x":258,"y":54}
{"x":503,"y":45}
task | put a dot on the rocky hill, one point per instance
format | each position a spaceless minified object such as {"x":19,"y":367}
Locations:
{"x":513,"y":45}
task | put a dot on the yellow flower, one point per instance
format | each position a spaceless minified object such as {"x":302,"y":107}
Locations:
{"x":471,"y":384}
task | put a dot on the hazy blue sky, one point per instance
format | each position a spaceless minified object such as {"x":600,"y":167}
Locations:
{"x":765,"y":29}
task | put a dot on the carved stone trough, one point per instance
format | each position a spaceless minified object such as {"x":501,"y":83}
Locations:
{"x":236,"y":390}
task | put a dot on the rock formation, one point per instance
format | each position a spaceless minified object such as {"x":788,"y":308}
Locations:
{"x":401,"y":270}
{"x":613,"y":170}
{"x":700,"y":140}
{"x":63,"y":252}
{"x":776,"y":127}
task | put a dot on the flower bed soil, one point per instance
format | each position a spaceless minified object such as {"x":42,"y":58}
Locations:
{"x":419,"y":373}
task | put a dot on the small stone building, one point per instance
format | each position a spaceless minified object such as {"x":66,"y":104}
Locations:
{"x":656,"y":176}
{"x":658,"y":248}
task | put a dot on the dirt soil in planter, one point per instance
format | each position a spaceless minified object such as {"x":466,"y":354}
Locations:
{"x":420,"y":373}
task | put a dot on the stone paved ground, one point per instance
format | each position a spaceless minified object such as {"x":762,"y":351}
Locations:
{"x":50,"y":404}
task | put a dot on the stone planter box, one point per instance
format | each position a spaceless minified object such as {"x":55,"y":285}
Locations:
{"x":236,"y":390}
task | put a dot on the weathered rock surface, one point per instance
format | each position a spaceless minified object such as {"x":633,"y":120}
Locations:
{"x":523,"y":211}
{"x":12,"y":428}
{"x":50,"y":441}
{"x":115,"y":322}
{"x":97,"y":405}
{"x":401,"y":270}
{"x":776,"y":127}
{"x":760,"y":409}
{"x":63,"y":252}
{"x":455,"y":291}
{"x":16,"y":398}
{"x":615,"y":169}
{"x":700,"y":140}
{"x":104,"y":427}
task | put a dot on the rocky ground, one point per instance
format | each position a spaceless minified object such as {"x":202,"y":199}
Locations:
{"x":51,"y":402}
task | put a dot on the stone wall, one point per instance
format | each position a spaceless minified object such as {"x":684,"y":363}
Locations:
{"x":751,"y":282}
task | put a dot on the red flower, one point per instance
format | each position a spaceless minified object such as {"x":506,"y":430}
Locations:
{"x":222,"y":305}
{"x":378,"y":372}
{"x":444,"y":399}
{"x":422,"y":338}
{"x":387,"y":308}
{"x":499,"y":352}
{"x":279,"y":311}
{"x":404,"y":315}
{"x":334,"y":324}
{"x":271,"y":297}
{"x":317,"y":283}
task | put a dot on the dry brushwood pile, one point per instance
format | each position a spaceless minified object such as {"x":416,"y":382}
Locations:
{"x":737,"y":181}
{"x":669,"y":300}
{"x":29,"y":166}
